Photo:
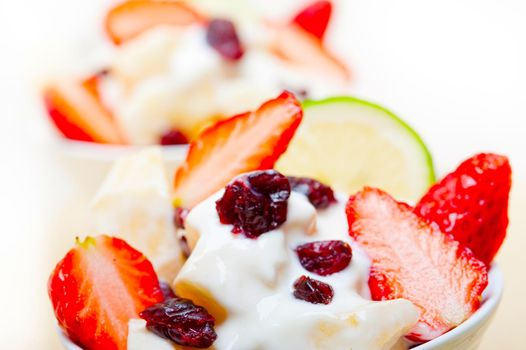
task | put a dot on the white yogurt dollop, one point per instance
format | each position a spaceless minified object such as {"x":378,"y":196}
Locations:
{"x":252,"y":281}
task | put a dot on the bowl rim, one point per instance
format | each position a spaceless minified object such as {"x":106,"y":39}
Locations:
{"x":490,"y":301}
{"x":111,"y":152}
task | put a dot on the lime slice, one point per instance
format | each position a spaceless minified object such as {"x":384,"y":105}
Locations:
{"x":349,"y":143}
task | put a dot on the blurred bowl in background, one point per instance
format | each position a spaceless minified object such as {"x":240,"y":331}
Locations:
{"x":88,"y":163}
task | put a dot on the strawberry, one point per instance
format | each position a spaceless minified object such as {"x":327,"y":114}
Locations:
{"x":246,"y":142}
{"x":79,"y":114}
{"x":98,"y":287}
{"x":130,"y":18}
{"x":91,"y":83}
{"x":294,"y":44}
{"x":415,"y":261}
{"x":315,"y":18}
{"x":471,"y":203}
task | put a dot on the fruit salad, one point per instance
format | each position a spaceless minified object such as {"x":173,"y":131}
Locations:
{"x":173,"y":69}
{"x":234,"y":254}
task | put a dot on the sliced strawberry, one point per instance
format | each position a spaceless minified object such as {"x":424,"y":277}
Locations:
{"x":471,"y":203}
{"x":98,"y":287}
{"x":68,"y":128}
{"x":92,"y":83}
{"x":79,"y":115}
{"x":415,"y":261}
{"x":131,"y":18}
{"x":315,"y":18}
{"x":246,"y":142}
{"x":293,"y":43}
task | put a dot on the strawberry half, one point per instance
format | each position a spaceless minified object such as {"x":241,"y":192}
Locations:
{"x":79,"y":114}
{"x":471,"y":203}
{"x":315,"y":18}
{"x":98,"y":287}
{"x":246,"y":142}
{"x":129,"y":19}
{"x":417,"y":262}
{"x":298,"y":46}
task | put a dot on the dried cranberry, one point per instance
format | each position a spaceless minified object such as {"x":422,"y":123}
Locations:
{"x":222,"y":36}
{"x":173,"y":137}
{"x":103,"y":72}
{"x":300,"y":93}
{"x":313,"y":291}
{"x":182,"y":322}
{"x":324,"y":257}
{"x":185,"y":248}
{"x":255,"y":203}
{"x":320,"y":195}
{"x":180,"y":216}
{"x":166,"y":290}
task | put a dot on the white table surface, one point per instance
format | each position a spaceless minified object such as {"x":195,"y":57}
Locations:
{"x":454,"y":69}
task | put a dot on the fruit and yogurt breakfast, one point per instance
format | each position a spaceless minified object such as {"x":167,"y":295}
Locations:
{"x":172,"y":70}
{"x":237,"y":255}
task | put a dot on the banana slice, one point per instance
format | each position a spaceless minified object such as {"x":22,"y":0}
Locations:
{"x":139,"y":338}
{"x":134,"y":203}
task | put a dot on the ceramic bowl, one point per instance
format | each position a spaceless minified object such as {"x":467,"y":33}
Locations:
{"x":88,"y":163}
{"x":467,"y":336}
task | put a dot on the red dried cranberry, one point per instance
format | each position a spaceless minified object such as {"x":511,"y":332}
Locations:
{"x":185,"y":248}
{"x":313,"y":291}
{"x":173,"y":137}
{"x":222,"y":36}
{"x":255,"y":203}
{"x":324,"y":257}
{"x":300,"y":93}
{"x":182,"y":322}
{"x":167,"y":291}
{"x":320,"y":195}
{"x":103,"y":72}
{"x":180,"y":215}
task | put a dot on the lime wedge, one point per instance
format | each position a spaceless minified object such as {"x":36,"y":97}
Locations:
{"x":349,"y":143}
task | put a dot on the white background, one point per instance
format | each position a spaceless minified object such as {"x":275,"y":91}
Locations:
{"x":454,"y":69}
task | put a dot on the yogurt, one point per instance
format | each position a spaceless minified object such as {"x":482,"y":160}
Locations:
{"x":247,"y":285}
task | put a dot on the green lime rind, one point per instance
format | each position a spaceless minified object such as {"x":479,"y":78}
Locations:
{"x":350,"y":99}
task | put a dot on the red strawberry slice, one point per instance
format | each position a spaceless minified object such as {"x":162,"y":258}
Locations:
{"x":98,"y":287}
{"x":129,"y":19}
{"x":471,"y":203}
{"x":246,"y":142}
{"x":315,"y":18}
{"x":294,"y":44}
{"x":79,"y":114}
{"x":415,"y":261}
{"x":91,"y":83}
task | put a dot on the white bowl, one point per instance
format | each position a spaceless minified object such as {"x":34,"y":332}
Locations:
{"x":467,"y":336}
{"x":109,"y":153}
{"x":87,"y":163}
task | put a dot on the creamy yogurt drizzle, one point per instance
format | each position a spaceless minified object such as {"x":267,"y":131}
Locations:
{"x":252,"y":280}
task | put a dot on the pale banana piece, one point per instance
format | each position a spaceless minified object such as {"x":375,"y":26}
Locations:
{"x":139,"y":338}
{"x":134,"y":203}
{"x":380,"y":323}
{"x":146,"y":56}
